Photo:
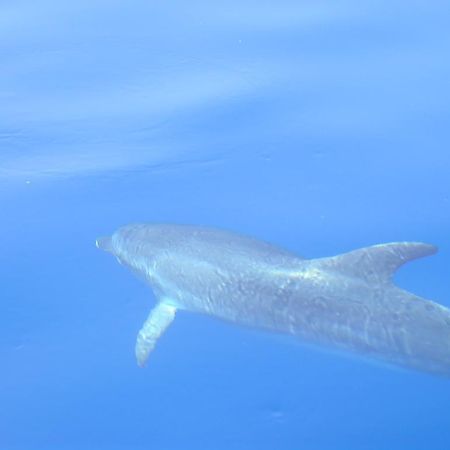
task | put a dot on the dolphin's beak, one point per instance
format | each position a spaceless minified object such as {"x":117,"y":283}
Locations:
{"x":104,"y":243}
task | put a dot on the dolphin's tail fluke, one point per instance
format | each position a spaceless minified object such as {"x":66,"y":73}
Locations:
{"x":377,"y":264}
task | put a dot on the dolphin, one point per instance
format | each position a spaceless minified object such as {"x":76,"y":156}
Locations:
{"x":346,"y":302}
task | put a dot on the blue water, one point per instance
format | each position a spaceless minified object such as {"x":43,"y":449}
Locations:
{"x":320,"y":126}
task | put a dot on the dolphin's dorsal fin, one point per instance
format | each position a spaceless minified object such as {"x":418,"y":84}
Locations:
{"x":379,"y":262}
{"x":160,"y":317}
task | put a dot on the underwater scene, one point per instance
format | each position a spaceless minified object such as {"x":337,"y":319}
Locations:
{"x":225,"y":225}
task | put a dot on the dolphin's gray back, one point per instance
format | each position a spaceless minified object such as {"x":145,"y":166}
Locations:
{"x":203,"y":243}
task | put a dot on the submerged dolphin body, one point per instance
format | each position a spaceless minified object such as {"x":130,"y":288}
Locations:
{"x":346,"y":302}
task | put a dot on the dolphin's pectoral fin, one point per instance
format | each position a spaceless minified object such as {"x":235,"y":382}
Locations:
{"x":379,"y":262}
{"x":160,"y":317}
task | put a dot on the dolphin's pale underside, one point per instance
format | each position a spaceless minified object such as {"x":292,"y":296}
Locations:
{"x":346,"y":302}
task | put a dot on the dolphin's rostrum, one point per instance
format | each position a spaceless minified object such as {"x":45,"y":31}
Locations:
{"x":346,"y":302}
